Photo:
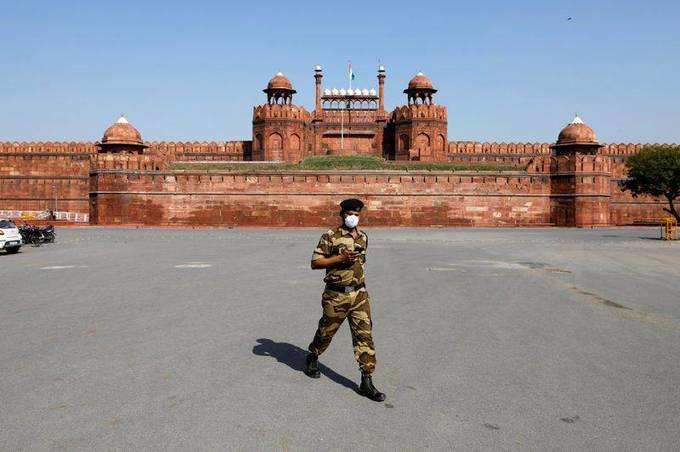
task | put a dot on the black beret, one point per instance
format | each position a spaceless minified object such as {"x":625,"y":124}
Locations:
{"x":351,"y":204}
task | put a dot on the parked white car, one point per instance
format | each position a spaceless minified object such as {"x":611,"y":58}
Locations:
{"x":10,"y":238}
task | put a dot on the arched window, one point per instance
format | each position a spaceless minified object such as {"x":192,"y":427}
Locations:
{"x":294,"y":142}
{"x":403,"y":142}
{"x":441,"y":142}
{"x":422,"y":141}
{"x":275,"y":141}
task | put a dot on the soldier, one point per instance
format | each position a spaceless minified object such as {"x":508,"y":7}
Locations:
{"x":342,"y":252}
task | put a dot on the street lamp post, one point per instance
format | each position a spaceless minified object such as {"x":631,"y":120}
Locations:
{"x":54,"y":188}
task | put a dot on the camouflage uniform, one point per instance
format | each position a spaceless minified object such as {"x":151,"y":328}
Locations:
{"x":354,"y":305}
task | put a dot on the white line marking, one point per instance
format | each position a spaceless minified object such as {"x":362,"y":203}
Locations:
{"x":193,"y":265}
{"x":57,"y":267}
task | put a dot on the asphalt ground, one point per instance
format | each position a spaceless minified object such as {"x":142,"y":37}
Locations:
{"x":521,"y":339}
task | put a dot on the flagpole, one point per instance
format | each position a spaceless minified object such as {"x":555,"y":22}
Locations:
{"x":349,"y":73}
{"x":342,"y":134}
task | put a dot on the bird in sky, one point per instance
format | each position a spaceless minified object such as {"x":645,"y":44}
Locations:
{"x":568,"y":18}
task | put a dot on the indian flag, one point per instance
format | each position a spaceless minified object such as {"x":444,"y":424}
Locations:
{"x":350,"y":72}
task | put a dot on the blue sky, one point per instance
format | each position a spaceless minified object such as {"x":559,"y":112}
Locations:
{"x":506,"y":70}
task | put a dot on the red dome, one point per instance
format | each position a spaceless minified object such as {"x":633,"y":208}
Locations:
{"x":576,"y":132}
{"x":122,"y":132}
{"x":279,"y":81}
{"x":420,"y":81}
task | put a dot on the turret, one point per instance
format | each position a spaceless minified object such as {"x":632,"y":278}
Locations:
{"x":580,"y":178}
{"x":279,"y":125}
{"x":122,"y":136}
{"x":420,"y":128}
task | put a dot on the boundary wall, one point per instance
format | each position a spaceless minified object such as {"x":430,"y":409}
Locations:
{"x":74,"y":180}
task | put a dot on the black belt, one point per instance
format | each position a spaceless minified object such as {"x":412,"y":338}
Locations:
{"x":344,"y":289}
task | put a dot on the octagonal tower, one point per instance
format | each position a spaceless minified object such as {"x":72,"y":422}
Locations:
{"x":279,"y":125}
{"x":420,"y":128}
{"x":580,"y":178}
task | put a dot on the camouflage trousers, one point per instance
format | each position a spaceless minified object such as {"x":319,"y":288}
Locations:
{"x":356,"y":307}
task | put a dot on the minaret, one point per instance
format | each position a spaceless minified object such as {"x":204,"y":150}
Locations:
{"x":318,"y":75}
{"x":381,"y":88}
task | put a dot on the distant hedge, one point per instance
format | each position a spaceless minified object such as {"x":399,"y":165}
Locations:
{"x":333,"y":162}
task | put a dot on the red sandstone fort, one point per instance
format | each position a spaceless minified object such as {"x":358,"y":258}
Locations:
{"x":125,"y":180}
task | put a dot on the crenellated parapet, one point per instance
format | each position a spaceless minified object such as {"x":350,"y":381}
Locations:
{"x":496,"y":148}
{"x":419,"y":111}
{"x":278,"y":111}
{"x":563,"y":164}
{"x":134,"y":162}
{"x":62,"y":147}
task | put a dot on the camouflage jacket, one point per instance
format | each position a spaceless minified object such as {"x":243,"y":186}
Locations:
{"x":330,"y":244}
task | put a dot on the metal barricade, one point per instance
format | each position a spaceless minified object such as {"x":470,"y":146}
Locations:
{"x":669,"y":228}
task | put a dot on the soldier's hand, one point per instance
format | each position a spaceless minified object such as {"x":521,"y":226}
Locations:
{"x":348,"y":256}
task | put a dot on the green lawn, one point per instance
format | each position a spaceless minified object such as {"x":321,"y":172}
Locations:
{"x":329,"y":163}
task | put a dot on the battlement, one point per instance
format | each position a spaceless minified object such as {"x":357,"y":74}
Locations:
{"x":502,"y":148}
{"x":127,"y":162}
{"x":76,"y":147}
{"x":580,"y":163}
{"x":278,"y":111}
{"x":419,"y":111}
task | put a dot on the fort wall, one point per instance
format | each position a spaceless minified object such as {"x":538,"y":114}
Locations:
{"x":311,"y":198}
{"x":139,"y":189}
{"x":44,"y":177}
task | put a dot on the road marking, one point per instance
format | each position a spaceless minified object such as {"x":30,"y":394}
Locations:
{"x":57,"y":267}
{"x":193,"y":265}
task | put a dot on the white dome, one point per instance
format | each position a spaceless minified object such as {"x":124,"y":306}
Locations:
{"x":335,"y":91}
{"x":317,"y":68}
{"x":364,"y":92}
{"x":372,"y":92}
{"x":327,"y":92}
{"x":122,"y":120}
{"x":577,"y":120}
{"x":343,"y":92}
{"x":350,"y":92}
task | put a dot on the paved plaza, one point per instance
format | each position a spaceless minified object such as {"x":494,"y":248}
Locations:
{"x":527,"y":339}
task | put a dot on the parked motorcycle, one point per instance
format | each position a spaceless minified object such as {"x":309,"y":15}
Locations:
{"x":35,"y":235}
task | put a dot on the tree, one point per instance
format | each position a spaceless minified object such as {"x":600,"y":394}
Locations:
{"x":655,"y":171}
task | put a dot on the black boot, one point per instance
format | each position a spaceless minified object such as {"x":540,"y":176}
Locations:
{"x":367,"y":389}
{"x":312,"y":366}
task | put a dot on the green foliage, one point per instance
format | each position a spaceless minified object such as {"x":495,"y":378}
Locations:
{"x":655,"y":171}
{"x":331,"y":162}
{"x":335,"y":162}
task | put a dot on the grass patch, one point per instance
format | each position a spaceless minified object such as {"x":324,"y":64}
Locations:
{"x":334,"y":162}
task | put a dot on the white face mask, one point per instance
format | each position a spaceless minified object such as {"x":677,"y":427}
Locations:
{"x":351,"y":221}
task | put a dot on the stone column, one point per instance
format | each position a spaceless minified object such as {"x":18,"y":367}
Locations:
{"x":381,"y":89}
{"x":318,"y":76}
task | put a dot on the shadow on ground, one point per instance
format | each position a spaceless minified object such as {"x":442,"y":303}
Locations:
{"x":294,"y":357}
